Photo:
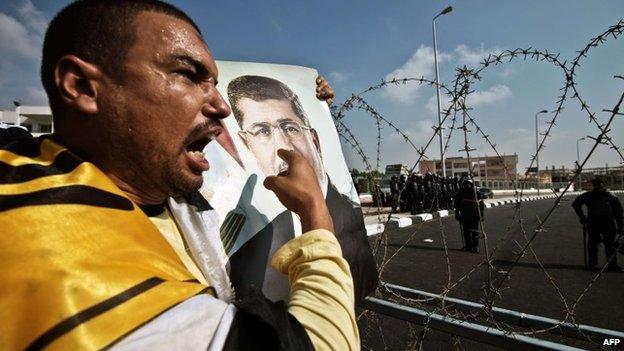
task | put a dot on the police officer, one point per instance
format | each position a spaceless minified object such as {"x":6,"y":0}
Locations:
{"x":394,"y":190}
{"x":443,"y":194}
{"x":449,"y":193}
{"x":420,"y":193}
{"x":454,"y":189}
{"x":603,"y":220}
{"x":435,"y":186}
{"x":403,"y":192}
{"x":469,"y":208}
{"x":428,"y":185}
{"x":412,"y":192}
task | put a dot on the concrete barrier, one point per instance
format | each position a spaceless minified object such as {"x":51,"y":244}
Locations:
{"x":401,"y":220}
{"x":366,"y":198}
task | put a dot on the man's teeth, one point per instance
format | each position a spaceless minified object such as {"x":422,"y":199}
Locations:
{"x":197,"y":154}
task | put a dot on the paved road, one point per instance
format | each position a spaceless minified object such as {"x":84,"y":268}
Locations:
{"x":423,"y":266}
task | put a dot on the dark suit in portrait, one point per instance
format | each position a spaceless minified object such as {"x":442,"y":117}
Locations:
{"x":250,"y":265}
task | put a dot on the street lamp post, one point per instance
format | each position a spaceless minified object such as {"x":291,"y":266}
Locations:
{"x":437,"y":80}
{"x":578,"y":163}
{"x":537,"y":152}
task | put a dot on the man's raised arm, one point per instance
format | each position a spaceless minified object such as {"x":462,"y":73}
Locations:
{"x":321,"y":286}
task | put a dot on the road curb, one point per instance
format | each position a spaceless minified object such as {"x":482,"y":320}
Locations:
{"x":396,"y":222}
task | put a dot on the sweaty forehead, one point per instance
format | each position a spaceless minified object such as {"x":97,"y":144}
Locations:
{"x":163,"y":36}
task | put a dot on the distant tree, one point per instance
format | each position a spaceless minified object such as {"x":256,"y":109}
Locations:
{"x":376,"y":174}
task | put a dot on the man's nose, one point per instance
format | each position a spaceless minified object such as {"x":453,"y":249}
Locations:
{"x":280,"y":140}
{"x":215,"y":106}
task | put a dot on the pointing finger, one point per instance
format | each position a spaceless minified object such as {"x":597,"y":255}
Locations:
{"x":286,"y":155}
{"x":270,"y":182}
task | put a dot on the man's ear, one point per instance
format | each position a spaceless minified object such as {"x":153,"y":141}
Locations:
{"x":315,"y":140}
{"x":77,"y":82}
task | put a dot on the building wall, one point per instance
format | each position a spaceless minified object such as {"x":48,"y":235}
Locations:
{"x":36,"y":119}
{"x":484,"y":167}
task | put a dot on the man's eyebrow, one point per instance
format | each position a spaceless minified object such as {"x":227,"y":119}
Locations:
{"x":286,"y":119}
{"x":262,"y":124}
{"x":199,"y":66}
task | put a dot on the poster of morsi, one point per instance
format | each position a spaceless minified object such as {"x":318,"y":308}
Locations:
{"x":273,"y":107}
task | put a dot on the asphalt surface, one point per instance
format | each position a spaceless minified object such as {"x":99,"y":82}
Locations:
{"x":421,"y":265}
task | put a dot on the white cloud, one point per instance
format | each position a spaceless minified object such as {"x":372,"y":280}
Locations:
{"x":32,"y":17}
{"x":35,"y":96}
{"x":420,"y":64}
{"x":397,"y":150}
{"x":432,"y":103}
{"x":507,"y":71}
{"x":21,"y":38}
{"x":471,"y":56}
{"x":16,"y":40}
{"x":420,"y":130}
{"x":419,"y":133}
{"x":490,"y":96}
{"x":338,"y":77}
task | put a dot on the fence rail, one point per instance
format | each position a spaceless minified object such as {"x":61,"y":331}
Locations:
{"x":469,"y":330}
{"x":511,"y":317}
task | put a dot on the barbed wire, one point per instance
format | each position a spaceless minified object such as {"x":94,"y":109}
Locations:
{"x":458,"y":98}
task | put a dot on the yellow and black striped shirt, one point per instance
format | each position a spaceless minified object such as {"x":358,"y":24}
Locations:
{"x":82,"y":264}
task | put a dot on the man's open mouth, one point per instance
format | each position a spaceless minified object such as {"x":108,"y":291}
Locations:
{"x":196,"y":159}
{"x":197,"y":146}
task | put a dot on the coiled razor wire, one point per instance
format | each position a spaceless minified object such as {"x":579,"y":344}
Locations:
{"x":458,"y":114}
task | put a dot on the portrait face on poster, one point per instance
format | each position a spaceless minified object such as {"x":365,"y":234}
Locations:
{"x":271,"y":117}
{"x":275,"y":107}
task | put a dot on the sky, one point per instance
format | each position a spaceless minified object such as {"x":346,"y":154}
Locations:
{"x":356,"y":44}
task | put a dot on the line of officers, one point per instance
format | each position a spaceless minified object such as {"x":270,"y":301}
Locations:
{"x":431,"y":192}
{"x":424,"y":193}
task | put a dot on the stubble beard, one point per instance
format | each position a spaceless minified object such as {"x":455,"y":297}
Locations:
{"x":178,"y":182}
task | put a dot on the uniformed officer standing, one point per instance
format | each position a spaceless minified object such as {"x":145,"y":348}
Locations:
{"x":394,"y":190}
{"x":450,"y":192}
{"x":412,"y":193}
{"x":436,"y":192}
{"x":455,"y":189}
{"x":603,"y":220}
{"x":403,"y":192}
{"x":443,"y":194}
{"x":469,"y":210}
{"x":420,"y":194}
{"x":428,"y":185}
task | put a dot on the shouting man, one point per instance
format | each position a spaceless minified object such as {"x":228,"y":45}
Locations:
{"x":106,"y":240}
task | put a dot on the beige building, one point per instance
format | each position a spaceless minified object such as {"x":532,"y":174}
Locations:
{"x":485,"y":168}
{"x":37,"y":119}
